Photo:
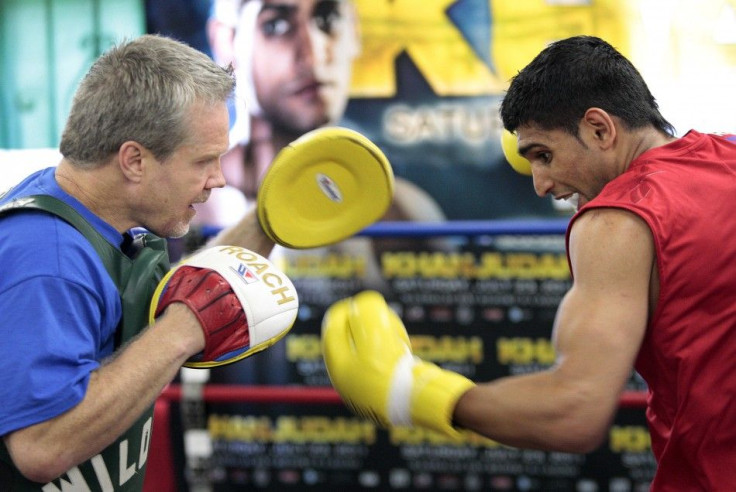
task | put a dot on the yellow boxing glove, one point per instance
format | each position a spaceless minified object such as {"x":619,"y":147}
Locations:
{"x":370,"y":363}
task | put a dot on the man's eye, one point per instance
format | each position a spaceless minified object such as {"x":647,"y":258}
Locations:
{"x":275,"y":27}
{"x":326,"y":14}
{"x":541,"y":157}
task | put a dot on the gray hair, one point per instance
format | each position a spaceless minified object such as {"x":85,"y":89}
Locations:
{"x":141,"y":90}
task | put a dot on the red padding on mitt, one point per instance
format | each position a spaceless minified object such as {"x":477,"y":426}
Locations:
{"x":218,"y":309}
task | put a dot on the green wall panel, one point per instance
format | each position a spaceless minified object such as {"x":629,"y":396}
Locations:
{"x":46,"y":46}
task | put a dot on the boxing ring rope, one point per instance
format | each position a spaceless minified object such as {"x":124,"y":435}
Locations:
{"x":467,"y":228}
{"x":300,"y":395}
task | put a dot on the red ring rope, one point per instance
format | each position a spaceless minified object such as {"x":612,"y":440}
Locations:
{"x":226,"y":393}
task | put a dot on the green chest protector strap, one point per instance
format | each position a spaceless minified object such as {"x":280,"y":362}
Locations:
{"x":120,"y":467}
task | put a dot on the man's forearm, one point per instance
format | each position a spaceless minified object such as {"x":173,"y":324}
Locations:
{"x":117,"y":394}
{"x":536,"y":411}
{"x":247,"y":233}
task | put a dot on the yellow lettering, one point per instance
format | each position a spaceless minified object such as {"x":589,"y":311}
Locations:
{"x":282,"y":293}
{"x":238,"y":428}
{"x":272,"y":280}
{"x":448,"y":349}
{"x":524,"y":351}
{"x":323,"y":430}
{"x":258,"y":267}
{"x":417,"y":435}
{"x":231,"y":250}
{"x":289,"y":428}
{"x":427,"y":347}
{"x":329,"y":265}
{"x":629,"y":438}
{"x":406,"y":264}
{"x":303,"y":347}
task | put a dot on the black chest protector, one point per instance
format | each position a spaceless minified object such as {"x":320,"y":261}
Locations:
{"x":121,"y":466}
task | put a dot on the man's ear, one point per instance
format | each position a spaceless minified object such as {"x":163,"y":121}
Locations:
{"x":601,"y":126}
{"x":131,"y":159}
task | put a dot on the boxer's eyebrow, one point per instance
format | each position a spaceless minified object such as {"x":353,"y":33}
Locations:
{"x":279,"y":9}
{"x":525,"y":149}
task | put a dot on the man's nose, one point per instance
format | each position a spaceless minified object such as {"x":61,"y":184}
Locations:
{"x":217,"y":178}
{"x":304,"y":48}
{"x":312,"y":45}
{"x":542,"y":183}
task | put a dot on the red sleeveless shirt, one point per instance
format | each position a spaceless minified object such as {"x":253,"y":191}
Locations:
{"x":686,"y":192}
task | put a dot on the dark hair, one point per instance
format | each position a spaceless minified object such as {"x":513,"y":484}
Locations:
{"x":572,"y":75}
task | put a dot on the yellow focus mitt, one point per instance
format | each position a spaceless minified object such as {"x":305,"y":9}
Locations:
{"x":370,"y":363}
{"x":324,"y":187}
{"x":510,"y":147}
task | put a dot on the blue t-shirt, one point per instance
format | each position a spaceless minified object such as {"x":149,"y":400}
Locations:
{"x":59,"y":306}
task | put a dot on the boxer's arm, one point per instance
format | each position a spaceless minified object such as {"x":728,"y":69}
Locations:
{"x":598,"y":331}
{"x":117,"y":394}
{"x":247,"y":233}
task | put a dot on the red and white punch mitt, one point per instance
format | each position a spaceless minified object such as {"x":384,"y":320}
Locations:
{"x":243,"y":302}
